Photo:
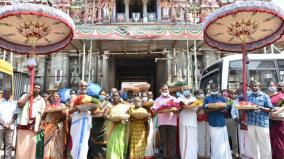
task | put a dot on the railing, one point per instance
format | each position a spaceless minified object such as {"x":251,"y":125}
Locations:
{"x":104,"y":11}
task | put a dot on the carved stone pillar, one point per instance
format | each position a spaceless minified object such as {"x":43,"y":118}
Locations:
{"x":145,"y":13}
{"x":158,"y":10}
{"x":100,"y":13}
{"x":114,"y":11}
{"x":126,"y":3}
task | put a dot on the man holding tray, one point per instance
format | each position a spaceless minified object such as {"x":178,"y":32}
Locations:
{"x":80,"y":127}
{"x":220,"y":147}
{"x":258,"y":123}
{"x":188,"y":126}
{"x":167,"y":124}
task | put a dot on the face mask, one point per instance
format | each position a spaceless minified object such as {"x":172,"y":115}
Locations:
{"x":102,"y":98}
{"x":186,"y":93}
{"x":56,"y":100}
{"x":201,"y":95}
{"x":139,"y":104}
{"x":272,"y":89}
{"x":241,"y":97}
{"x":144,"y":99}
{"x":249,"y":92}
{"x":256,"y":92}
{"x":214,"y":93}
{"x":165,"y":94}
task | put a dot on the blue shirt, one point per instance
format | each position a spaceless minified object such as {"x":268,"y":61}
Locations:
{"x":216,"y":118}
{"x":258,"y":117}
{"x":234,"y":110}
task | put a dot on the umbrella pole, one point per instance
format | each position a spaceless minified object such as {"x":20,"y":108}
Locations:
{"x":31,"y":68}
{"x":244,"y":71}
{"x":32,"y":78}
{"x":244,"y":80}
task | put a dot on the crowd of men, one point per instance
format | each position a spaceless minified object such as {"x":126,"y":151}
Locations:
{"x":187,"y":133}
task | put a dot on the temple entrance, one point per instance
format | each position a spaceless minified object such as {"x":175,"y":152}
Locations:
{"x":135,"y":70}
{"x":143,"y":69}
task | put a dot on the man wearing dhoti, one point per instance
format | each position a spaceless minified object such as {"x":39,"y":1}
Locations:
{"x":244,"y":144}
{"x":220,"y":148}
{"x":80,"y":128}
{"x":28,"y":124}
{"x":188,"y":140}
{"x":203,"y":128}
{"x":258,"y":123}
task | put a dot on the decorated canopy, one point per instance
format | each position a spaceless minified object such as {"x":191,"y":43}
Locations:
{"x":244,"y":26}
{"x":253,"y":23}
{"x":44,"y":28}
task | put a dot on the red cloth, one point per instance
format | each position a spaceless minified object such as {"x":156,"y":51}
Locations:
{"x":277,"y":139}
{"x":203,"y":117}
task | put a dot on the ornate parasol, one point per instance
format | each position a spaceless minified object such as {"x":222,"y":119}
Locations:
{"x":244,"y":26}
{"x":35,"y":30}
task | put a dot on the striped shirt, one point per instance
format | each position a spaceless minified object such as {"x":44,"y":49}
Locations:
{"x":258,"y":117}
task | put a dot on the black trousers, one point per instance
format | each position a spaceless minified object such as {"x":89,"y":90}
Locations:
{"x":168,"y":141}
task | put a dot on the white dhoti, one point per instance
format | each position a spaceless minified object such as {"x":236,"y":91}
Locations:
{"x":149,"y":151}
{"x":244,"y":144}
{"x":260,"y":142}
{"x":220,"y":148}
{"x":188,"y":142}
{"x":203,"y":139}
{"x":80,"y":132}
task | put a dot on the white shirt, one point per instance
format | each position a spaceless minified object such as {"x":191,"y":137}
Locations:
{"x":188,"y":117}
{"x":38,"y":110}
{"x":8,"y":108}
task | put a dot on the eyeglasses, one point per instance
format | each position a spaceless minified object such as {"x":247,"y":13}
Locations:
{"x":83,"y":86}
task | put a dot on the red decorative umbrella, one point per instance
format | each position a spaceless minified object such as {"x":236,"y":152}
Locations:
{"x":35,"y":30}
{"x":244,"y":26}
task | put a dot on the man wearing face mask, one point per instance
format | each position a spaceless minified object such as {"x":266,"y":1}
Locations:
{"x":220,"y":148}
{"x":167,"y":123}
{"x":203,"y":128}
{"x":258,"y":123}
{"x":82,"y":121}
{"x":231,"y":124}
{"x":188,"y":126}
{"x":244,"y":144}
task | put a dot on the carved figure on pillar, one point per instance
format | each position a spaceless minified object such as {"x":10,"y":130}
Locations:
{"x":107,"y":10}
{"x":165,"y":5}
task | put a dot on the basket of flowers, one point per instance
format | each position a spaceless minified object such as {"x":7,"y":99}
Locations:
{"x":140,"y":113}
{"x":118,"y":117}
{"x":218,"y":105}
{"x":170,"y":106}
{"x":148,"y":104}
{"x":85,"y":102}
{"x":246,"y":105}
